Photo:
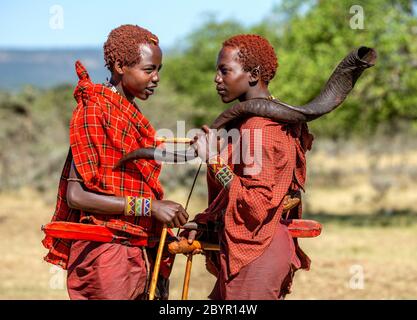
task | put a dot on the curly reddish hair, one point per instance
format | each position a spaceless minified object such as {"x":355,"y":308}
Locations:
{"x":123,"y":45}
{"x":255,"y":51}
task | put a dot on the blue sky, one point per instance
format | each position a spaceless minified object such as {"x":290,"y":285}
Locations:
{"x":37,"y":24}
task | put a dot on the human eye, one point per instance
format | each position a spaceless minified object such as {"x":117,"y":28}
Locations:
{"x":224,"y":71}
{"x":149,"y":69}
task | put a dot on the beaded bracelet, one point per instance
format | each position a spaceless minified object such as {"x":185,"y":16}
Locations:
{"x":138,"y":206}
{"x":221,"y":170}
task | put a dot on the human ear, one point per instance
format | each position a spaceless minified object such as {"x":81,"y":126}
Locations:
{"x":255,"y":75}
{"x":118,"y":67}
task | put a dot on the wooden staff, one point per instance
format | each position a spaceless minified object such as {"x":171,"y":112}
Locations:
{"x":182,"y":246}
{"x":157,"y":263}
{"x":187,"y":277}
{"x":174,"y":140}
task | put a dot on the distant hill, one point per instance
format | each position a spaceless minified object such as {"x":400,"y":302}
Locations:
{"x":47,"y":68}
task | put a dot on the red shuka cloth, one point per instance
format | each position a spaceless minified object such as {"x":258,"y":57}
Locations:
{"x":253,"y":206}
{"x":268,"y":277}
{"x":105,"y":271}
{"x":103,"y":128}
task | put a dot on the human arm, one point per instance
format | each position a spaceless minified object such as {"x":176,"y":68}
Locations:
{"x":165,"y":211}
{"x":259,"y":183}
{"x":209,"y":147}
{"x":80,"y":198}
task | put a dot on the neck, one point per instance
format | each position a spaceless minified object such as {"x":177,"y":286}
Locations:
{"x":261,"y":92}
{"x":117,"y":83}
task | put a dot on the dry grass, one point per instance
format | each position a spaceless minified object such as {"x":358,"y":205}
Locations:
{"x":388,"y":256}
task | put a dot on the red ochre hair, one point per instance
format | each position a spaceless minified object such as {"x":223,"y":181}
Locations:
{"x":255,"y":51}
{"x":123,"y":45}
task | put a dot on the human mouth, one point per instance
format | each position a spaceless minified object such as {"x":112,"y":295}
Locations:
{"x":150,"y":90}
{"x":221,"y":91}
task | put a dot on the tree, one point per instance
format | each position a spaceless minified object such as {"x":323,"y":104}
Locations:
{"x":310,"y":38}
{"x":313,"y":43}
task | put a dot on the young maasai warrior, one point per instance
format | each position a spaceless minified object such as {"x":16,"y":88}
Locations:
{"x":106,"y":124}
{"x":258,"y":257}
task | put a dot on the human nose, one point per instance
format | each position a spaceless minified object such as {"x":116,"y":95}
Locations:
{"x":155,"y":77}
{"x":217,"y":78}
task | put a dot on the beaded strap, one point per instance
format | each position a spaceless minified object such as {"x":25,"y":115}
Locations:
{"x":138,"y":206}
{"x":221,"y":170}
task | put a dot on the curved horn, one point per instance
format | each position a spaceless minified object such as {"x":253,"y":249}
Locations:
{"x":158,"y":155}
{"x":340,"y":83}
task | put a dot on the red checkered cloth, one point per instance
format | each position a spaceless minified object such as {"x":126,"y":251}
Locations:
{"x":254,"y":204}
{"x":104,"y":127}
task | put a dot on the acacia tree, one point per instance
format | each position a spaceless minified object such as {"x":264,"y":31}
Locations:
{"x":310,"y":38}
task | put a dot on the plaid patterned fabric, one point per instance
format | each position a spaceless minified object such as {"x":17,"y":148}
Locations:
{"x":104,"y":127}
{"x":253,"y":206}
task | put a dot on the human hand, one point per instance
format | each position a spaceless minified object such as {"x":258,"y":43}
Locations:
{"x":206,"y":143}
{"x":190,"y":235}
{"x":169,"y":212}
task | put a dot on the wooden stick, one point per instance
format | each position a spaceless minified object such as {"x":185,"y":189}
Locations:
{"x":174,"y":140}
{"x":187,"y":277}
{"x":157,"y":263}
